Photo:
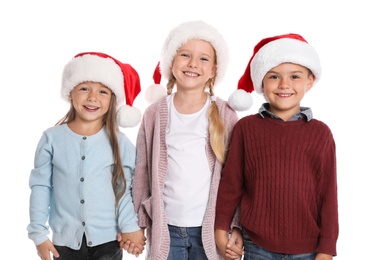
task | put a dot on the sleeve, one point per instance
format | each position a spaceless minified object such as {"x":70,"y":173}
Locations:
{"x":141,"y":187}
{"x":329,"y":227}
{"x":40,"y":183}
{"x":127,"y":217}
{"x":231,"y":118}
{"x":231,"y":184}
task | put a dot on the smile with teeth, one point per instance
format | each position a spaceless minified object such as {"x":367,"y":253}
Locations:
{"x":191,"y":74}
{"x":284,"y":95}
{"x":91,"y":108}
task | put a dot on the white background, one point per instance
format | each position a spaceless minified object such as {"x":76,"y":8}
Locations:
{"x":39,"y":37}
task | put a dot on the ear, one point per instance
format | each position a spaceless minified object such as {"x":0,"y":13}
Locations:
{"x":311,"y":80}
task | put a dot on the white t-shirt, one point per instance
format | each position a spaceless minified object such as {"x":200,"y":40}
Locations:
{"x":187,"y":184}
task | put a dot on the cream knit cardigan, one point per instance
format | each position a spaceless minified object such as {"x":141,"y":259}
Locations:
{"x":150,"y":172}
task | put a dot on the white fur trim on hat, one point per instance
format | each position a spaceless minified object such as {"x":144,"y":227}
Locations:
{"x":120,"y":77}
{"x":267,"y":54}
{"x":281,"y":51}
{"x":194,"y":30}
{"x":92,"y":68}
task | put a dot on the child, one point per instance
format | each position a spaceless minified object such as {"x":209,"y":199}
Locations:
{"x":181,"y":146}
{"x":281,"y":165}
{"x":81,"y":182}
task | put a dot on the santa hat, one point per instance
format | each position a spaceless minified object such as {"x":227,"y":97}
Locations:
{"x":267,"y":54}
{"x":121,"y":78}
{"x":176,"y":39}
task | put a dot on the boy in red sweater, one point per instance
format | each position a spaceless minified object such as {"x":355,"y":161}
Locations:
{"x":281,"y":165}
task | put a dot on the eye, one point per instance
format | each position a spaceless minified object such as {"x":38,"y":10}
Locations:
{"x":204,"y":59}
{"x":295,"y":77}
{"x":84,"y":89}
{"x":184,"y":55}
{"x":104,"y":91}
{"x":273,"y":76}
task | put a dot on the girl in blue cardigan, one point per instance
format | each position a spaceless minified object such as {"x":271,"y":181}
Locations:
{"x":83,"y":167}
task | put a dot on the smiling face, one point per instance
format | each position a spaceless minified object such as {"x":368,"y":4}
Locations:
{"x":194,"y":65}
{"x":284,"y":87}
{"x":91,"y":101}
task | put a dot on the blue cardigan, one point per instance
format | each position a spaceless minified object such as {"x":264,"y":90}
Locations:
{"x":71,"y":189}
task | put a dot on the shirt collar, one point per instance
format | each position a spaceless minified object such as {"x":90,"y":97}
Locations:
{"x":305,"y":112}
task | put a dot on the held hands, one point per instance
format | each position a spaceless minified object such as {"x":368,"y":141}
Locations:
{"x":133,"y":242}
{"x":45,"y":249}
{"x":230,"y":247}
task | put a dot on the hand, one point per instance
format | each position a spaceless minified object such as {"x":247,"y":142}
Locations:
{"x":234,"y":246}
{"x":133,"y":242}
{"x":128,"y":246}
{"x":45,"y":249}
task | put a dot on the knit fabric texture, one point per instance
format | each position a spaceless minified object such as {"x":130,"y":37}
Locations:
{"x":283,"y":176}
{"x":150,"y":172}
{"x":71,"y":184}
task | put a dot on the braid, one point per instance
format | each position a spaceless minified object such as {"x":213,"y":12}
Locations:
{"x":170,"y":84}
{"x":216,"y":128}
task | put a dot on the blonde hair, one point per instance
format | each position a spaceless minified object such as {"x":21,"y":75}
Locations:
{"x":217,"y":129}
{"x":111,"y":125}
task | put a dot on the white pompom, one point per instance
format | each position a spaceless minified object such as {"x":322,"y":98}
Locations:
{"x":154,"y":92}
{"x":128,"y":116}
{"x":240,"y":100}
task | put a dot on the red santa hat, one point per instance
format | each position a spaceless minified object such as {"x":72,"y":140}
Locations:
{"x":120,"y":77}
{"x":177,"y":38}
{"x":267,"y":54}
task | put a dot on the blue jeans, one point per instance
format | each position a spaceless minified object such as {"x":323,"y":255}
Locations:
{"x":107,"y":251}
{"x":254,"y":252}
{"x":186,"y":243}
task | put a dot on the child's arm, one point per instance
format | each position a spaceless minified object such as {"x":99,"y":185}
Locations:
{"x":133,"y":242}
{"x":221,"y":240}
{"x":45,"y":249}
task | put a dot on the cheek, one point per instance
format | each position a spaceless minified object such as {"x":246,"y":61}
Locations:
{"x":265,"y":94}
{"x":105,"y":102}
{"x":75,"y":103}
{"x":174,"y":68}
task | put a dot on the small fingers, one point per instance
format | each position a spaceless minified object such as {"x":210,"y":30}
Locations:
{"x":125,"y":245}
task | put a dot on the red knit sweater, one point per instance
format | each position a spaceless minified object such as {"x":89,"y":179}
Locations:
{"x":283,"y":175}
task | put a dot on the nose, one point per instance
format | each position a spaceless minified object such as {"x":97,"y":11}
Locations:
{"x":192,"y":63}
{"x":283,"y":84}
{"x":92,"y":97}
